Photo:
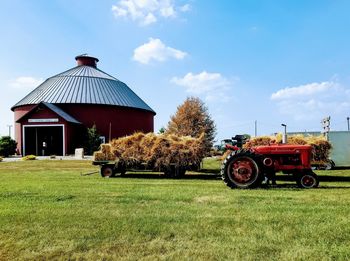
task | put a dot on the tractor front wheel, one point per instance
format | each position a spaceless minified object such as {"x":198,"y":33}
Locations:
{"x":308,"y":180}
{"x":241,"y":170}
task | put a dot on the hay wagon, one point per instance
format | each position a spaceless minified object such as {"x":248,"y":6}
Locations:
{"x":117,"y":168}
{"x":170,"y":154}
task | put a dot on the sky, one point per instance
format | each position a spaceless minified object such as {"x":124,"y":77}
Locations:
{"x":267,"y":61}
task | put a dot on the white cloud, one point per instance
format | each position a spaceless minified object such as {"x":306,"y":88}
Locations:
{"x":156,"y":50}
{"x":185,"y":8}
{"x":312,"y":101}
{"x":303,"y":90}
{"x":168,"y":11}
{"x":26,"y":82}
{"x":149,"y":19}
{"x":147,"y":12}
{"x":213,"y":86}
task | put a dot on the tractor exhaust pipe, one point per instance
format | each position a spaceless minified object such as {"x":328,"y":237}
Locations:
{"x":284,"y":135}
{"x":284,"y":138}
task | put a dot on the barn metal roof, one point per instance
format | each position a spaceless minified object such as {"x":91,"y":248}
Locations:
{"x":61,"y":112}
{"x":86,"y":85}
{"x":55,"y":109}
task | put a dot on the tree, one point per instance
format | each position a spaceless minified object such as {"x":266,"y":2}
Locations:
{"x":7,"y":146}
{"x":192,"y":119}
{"x":93,"y":140}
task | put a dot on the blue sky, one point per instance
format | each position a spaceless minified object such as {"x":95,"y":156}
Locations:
{"x":271,"y":61}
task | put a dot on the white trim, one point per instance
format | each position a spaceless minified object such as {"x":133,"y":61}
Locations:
{"x":43,"y":125}
{"x":44,"y":120}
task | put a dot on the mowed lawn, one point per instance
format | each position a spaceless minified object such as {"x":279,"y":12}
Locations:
{"x":48,"y":211}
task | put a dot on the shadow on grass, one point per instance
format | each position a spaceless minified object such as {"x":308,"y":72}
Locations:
{"x":321,"y":178}
{"x":200,"y":176}
{"x":210,"y":175}
{"x":155,"y":175}
{"x":210,"y":171}
{"x":294,"y":186}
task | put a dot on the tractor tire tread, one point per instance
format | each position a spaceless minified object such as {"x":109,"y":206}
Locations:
{"x":226,"y":161}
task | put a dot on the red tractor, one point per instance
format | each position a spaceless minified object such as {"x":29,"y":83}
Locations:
{"x":248,"y":168}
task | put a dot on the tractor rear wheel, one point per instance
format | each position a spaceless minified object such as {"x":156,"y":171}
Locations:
{"x":307,"y":180}
{"x":241,"y":170}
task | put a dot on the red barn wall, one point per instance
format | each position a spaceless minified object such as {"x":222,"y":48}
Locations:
{"x":40,"y":114}
{"x":19,"y":112}
{"x":124,"y":121}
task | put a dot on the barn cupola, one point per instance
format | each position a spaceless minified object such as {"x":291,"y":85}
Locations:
{"x":85,"y":59}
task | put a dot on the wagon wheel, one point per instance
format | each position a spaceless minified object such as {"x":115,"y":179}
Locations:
{"x":308,"y":180}
{"x":241,"y":171}
{"x":107,"y":171}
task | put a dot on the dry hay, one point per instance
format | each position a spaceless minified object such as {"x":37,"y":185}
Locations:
{"x":225,"y":154}
{"x":320,"y":146}
{"x":259,"y":141}
{"x":297,"y":140}
{"x":155,"y":150}
{"x":105,"y":153}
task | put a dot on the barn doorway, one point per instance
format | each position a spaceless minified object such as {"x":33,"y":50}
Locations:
{"x":43,"y":140}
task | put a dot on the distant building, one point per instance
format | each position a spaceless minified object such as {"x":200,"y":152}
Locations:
{"x":52,"y":119}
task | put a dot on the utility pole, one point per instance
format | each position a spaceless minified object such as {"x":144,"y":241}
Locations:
{"x":326,"y":123}
{"x":348,"y":123}
{"x":256,"y":128}
{"x":9,"y":126}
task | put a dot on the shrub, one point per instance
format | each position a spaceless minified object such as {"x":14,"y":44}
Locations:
{"x":29,"y":157}
{"x":7,"y":146}
{"x":92,"y":140}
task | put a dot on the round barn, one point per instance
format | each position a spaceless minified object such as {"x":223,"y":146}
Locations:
{"x":52,"y":119}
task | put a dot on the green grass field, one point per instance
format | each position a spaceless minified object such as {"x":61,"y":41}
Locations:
{"x":48,"y":211}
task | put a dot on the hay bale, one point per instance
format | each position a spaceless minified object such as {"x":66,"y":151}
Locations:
{"x":260,"y":141}
{"x":128,"y":148}
{"x":320,"y":146}
{"x":106,"y":148}
{"x":99,"y":156}
{"x":155,"y":150}
{"x":104,"y":155}
{"x":297,"y":140}
{"x":226,"y":153}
